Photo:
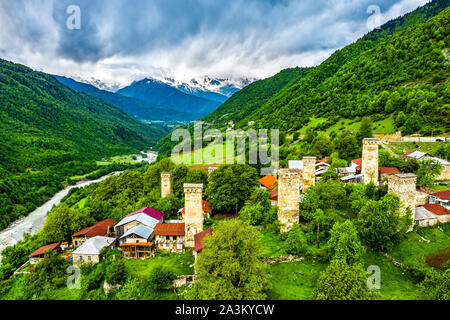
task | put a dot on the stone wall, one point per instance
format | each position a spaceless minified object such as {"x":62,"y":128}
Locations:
{"x":193,"y":212}
{"x":288,"y":197}
{"x":309,"y":172}
{"x":445,"y":174}
{"x":166,"y":184}
{"x":404,"y":186}
{"x":369,"y":166}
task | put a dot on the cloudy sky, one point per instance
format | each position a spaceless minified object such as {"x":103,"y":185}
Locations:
{"x":124,"y":40}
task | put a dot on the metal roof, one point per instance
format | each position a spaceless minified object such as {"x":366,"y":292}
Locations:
{"x":296,"y":164}
{"x":140,"y":217}
{"x":141,"y":231}
{"x":94,"y":245}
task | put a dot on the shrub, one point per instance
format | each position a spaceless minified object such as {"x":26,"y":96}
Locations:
{"x":162,"y":277}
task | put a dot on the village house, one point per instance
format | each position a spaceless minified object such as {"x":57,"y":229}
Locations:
{"x":442,"y":198}
{"x":199,"y":241}
{"x":135,"y":243}
{"x":90,"y":250}
{"x":320,"y":167}
{"x":206,"y":207}
{"x":147,"y":217}
{"x":170,"y":237}
{"x":431,"y":214}
{"x":39,"y":254}
{"x":268,"y":182}
{"x":353,"y":178}
{"x":357,"y":164}
{"x":103,"y":228}
{"x":419,"y":155}
{"x":346,"y":171}
{"x":385,"y":172}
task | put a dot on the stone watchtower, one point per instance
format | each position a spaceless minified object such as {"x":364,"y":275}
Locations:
{"x":193,"y":212}
{"x":369,"y":166}
{"x":166,"y":184}
{"x":309,"y":172}
{"x":288,"y":197}
{"x":404,"y":186}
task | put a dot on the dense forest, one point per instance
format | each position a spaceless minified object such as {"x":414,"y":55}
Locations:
{"x":49,"y":132}
{"x":405,"y":72}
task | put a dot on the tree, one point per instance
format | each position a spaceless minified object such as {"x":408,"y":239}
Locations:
{"x":400,"y":119}
{"x":437,"y":285}
{"x":347,"y":146}
{"x":229,"y":268}
{"x":116,"y":272}
{"x":318,"y":217}
{"x":344,"y":242}
{"x":230,"y":186}
{"x":381,"y":225}
{"x":162,"y":277}
{"x":365,"y":130}
{"x":296,"y":242}
{"x":321,"y":146}
{"x":413,"y":124}
{"x":343,"y":282}
{"x":429,"y":169}
{"x":57,"y":227}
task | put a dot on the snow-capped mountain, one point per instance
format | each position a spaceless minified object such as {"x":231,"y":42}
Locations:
{"x":111,"y":87}
{"x":222,"y":86}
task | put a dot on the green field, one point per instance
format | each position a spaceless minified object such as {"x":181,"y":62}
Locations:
{"x":428,"y":147}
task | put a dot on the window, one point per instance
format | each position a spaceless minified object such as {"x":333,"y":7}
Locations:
{"x":89,"y":258}
{"x":167,"y":238}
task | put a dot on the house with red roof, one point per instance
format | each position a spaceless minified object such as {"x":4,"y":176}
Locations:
{"x":198,"y":238}
{"x":442,"y":198}
{"x":268,"y":182}
{"x":103,"y":228}
{"x":431,"y":214}
{"x":385,"y":172}
{"x":150,"y":212}
{"x":39,"y":254}
{"x":206,"y":207}
{"x":170,"y":237}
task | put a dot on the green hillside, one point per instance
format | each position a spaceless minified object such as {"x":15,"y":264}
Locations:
{"x":49,"y":132}
{"x":406,"y":71}
{"x":252,"y":97}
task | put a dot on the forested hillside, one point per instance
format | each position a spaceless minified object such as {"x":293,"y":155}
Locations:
{"x":375,"y":75}
{"x":141,"y":109}
{"x":252,"y":97}
{"x":49,"y":132}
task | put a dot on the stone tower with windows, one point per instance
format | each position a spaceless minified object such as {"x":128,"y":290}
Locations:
{"x":193,"y":212}
{"x":369,"y":166}
{"x":288,"y":197}
{"x":309,"y":172}
{"x":166,"y":184}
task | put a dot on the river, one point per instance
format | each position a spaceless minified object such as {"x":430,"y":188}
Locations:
{"x":36,"y":219}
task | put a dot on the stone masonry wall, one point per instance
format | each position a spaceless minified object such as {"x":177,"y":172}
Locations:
{"x":166,"y":184}
{"x":288,"y":197}
{"x":193,"y":217}
{"x":404,"y":186}
{"x":369,"y":166}
{"x":309,"y":172}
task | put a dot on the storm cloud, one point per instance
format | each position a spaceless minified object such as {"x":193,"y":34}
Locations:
{"x":121,"y":40}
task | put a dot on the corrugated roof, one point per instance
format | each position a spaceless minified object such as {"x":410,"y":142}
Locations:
{"x":94,"y":245}
{"x":170,"y":229}
{"x":423,"y":214}
{"x":141,"y":218}
{"x":444,"y":195}
{"x":268,"y":181}
{"x":150,"y":212}
{"x":198,"y":238}
{"x":357,"y":161}
{"x":436,"y":209}
{"x":388,"y":170}
{"x":141,"y":231}
{"x":42,"y":250}
{"x":99,"y":229}
{"x":137,"y":244}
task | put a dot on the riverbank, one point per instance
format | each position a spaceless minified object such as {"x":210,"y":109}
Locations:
{"x":35,"y":221}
